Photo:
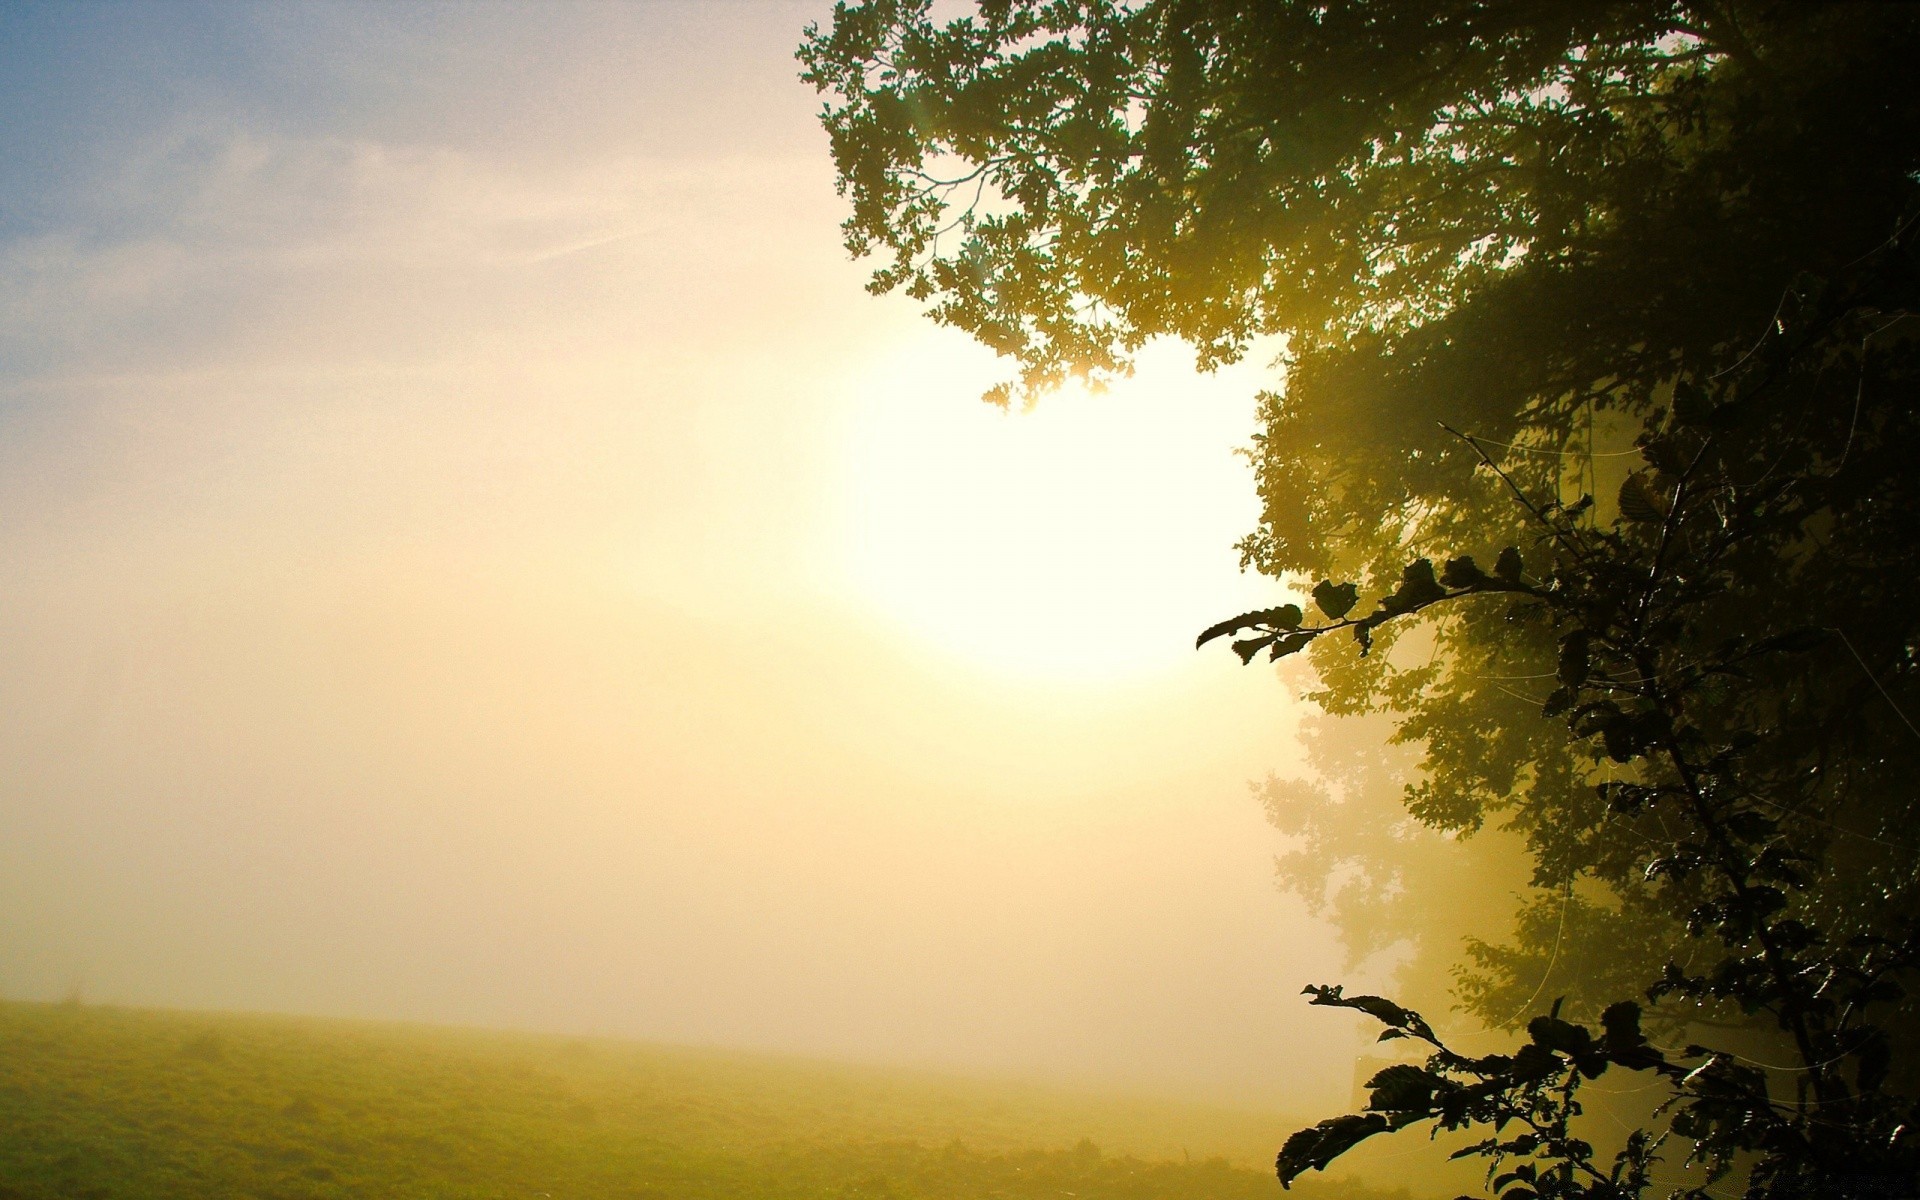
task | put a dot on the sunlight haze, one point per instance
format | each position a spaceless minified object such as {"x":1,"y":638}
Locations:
{"x":472,"y":551}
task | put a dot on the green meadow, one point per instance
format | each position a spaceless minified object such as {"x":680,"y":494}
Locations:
{"x":106,"y":1102}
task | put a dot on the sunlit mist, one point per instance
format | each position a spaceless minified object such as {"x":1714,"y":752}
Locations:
{"x":474,"y":552}
{"x":1086,"y":538}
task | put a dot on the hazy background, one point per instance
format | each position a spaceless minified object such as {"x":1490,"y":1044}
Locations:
{"x":471,"y":551}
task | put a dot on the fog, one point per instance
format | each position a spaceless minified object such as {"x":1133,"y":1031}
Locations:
{"x":471,"y":551}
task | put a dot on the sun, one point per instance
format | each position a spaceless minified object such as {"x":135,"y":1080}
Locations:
{"x":1090,"y":537}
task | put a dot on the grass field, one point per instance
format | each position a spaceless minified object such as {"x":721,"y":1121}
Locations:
{"x":103,"y":1102}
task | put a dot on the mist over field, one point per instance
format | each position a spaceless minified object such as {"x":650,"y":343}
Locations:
{"x":472,"y":552}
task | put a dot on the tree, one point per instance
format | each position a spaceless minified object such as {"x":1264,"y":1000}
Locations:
{"x":1599,"y":373}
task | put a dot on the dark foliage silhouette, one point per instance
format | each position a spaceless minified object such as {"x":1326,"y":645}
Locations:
{"x":1600,"y":363}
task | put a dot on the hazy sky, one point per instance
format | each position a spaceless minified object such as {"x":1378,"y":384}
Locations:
{"x":470,"y":550}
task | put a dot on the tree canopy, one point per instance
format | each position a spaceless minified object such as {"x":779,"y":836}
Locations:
{"x":1598,"y":374}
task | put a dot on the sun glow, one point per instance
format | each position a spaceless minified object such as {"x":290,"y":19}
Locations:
{"x":1088,"y":538}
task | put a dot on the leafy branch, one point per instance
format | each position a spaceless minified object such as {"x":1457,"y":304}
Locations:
{"x":1282,"y":631}
{"x":1635,"y":682}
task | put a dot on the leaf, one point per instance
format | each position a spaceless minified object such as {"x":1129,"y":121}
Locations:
{"x":1418,"y":585}
{"x":1556,"y":1034}
{"x":1287,"y":616}
{"x":1379,"y":1008}
{"x":1640,"y":500}
{"x":1312,"y":1149}
{"x":1690,"y":404}
{"x":1403,"y":1088}
{"x":1335,"y":599}
{"x":1249,"y":647}
{"x":1622,"y":1024}
{"x":1597,"y":717}
{"x":1462,"y":572}
{"x":1664,"y":455}
{"x":1623,"y":741}
{"x":1292,"y":643}
{"x":1417,"y":588}
{"x":1534,"y":1061}
{"x":1624,"y":1043}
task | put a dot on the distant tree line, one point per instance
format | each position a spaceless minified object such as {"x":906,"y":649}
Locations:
{"x":1595,"y":467}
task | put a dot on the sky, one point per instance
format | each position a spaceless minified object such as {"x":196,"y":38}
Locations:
{"x":472,"y":551}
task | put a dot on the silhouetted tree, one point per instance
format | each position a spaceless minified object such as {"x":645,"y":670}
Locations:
{"x":1600,"y":374}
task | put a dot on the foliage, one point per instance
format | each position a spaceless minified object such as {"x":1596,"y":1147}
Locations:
{"x":1397,"y":891}
{"x":108,"y":1103}
{"x":1599,"y":375}
{"x":1728,"y":829}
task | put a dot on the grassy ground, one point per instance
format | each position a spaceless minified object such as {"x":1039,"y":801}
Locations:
{"x":102,"y":1102}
